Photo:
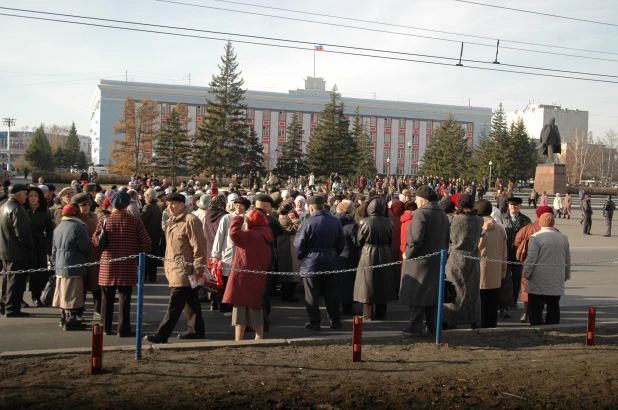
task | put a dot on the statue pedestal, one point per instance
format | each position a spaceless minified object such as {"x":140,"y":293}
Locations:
{"x":550,"y":178}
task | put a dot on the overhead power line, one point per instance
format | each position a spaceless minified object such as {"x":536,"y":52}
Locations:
{"x":302,"y":48}
{"x":381,"y":31}
{"x":310,"y":43}
{"x":537,"y":13}
{"x":415,"y":28}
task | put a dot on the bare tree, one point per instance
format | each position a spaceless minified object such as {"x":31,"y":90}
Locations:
{"x":578,"y":156}
{"x":611,"y":143}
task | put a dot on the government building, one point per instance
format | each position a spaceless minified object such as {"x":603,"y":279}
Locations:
{"x":400,"y":131}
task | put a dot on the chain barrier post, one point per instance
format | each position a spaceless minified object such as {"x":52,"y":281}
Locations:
{"x":443,"y":253}
{"x":96,"y":355}
{"x":141,"y":273}
{"x":590,"y":329}
{"x":357,"y":338}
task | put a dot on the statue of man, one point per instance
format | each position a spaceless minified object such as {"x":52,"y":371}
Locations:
{"x":550,"y":141}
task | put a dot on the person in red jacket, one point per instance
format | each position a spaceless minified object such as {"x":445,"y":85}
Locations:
{"x":406,"y":218}
{"x":244,"y":289}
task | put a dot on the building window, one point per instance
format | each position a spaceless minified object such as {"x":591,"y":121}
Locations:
{"x":399,"y":170}
{"x":415,"y":139}
{"x":388,"y":121}
{"x":385,"y":168}
{"x":401,"y":154}
{"x":314,"y":118}
{"x":416,"y":124}
{"x":281,"y":115}
{"x":387,"y":153}
{"x":373,"y":137}
{"x":266,"y":115}
{"x":414,"y":155}
{"x":437,"y":124}
{"x":414,"y":170}
{"x":428,"y":140}
{"x":200,"y":110}
{"x":401,"y":138}
{"x":281,"y":131}
{"x":250,"y":113}
{"x":265,"y":131}
{"x":298,"y":116}
{"x":470,"y":127}
{"x":374,"y":121}
{"x":165,"y":108}
{"x":429,"y":124}
{"x":387,"y":137}
{"x":402,"y":123}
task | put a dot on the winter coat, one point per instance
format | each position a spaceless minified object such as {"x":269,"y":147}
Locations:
{"x":102,"y":213}
{"x":492,"y":245}
{"x":126,"y":236}
{"x":375,"y":235}
{"x":185,"y":242}
{"x":427,"y":233}
{"x":71,"y":244}
{"x":223,"y":247}
{"x":608,"y":209}
{"x":91,"y":221}
{"x":568,"y":201}
{"x":396,"y":242}
{"x":512,"y":228}
{"x":318,"y":242}
{"x":406,"y":218}
{"x":286,"y":260}
{"x":210,"y":226}
{"x":152,"y":217}
{"x":252,"y":252}
{"x":464,"y":273}
{"x":544,"y":200}
{"x":42,"y":229}
{"x":547,"y":247}
{"x":348,"y":259}
{"x":16,"y":242}
{"x":503,"y":204}
{"x":557,"y":204}
{"x":133,"y":208}
{"x":586,"y":208}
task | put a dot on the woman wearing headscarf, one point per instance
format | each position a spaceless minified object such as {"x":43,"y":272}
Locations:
{"x":152,"y":217}
{"x":348,"y":259}
{"x":216,"y":211}
{"x":375,"y":286}
{"x":464,"y":273}
{"x":547,"y":268}
{"x":557,"y":206}
{"x":64,"y":198}
{"x":42,"y":227}
{"x":286,"y":259}
{"x":300,"y":205}
{"x":70,"y":245}
{"x":245,"y":290}
{"x":126,"y":236}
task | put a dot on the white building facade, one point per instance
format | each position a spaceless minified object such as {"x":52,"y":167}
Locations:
{"x":400,"y":131}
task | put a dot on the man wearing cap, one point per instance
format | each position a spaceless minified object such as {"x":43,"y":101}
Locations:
{"x":16,"y":245}
{"x":185,"y":242}
{"x":358,"y":214}
{"x":318,"y":242}
{"x":429,"y":232}
{"x":513,"y":222}
{"x":5,"y":191}
{"x":90,"y":189}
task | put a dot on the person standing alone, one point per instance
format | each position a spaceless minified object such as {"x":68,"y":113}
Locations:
{"x":608,"y":213}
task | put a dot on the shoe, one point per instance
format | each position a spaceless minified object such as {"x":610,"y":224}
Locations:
{"x":61,"y":324}
{"x":73,"y":326}
{"x":227,"y":314}
{"x":409,"y":332}
{"x":129,"y":334}
{"x":214,"y":306}
{"x":16,"y":314}
{"x":79,"y":318}
{"x":24,"y":305}
{"x":291,"y":299}
{"x":524,"y":318}
{"x":37,"y":302}
{"x":96,"y":316}
{"x":606,"y":236}
{"x":154,"y":338}
{"x":188,"y":335}
{"x":336,"y":325}
{"x":313,"y":327}
{"x":581,"y":222}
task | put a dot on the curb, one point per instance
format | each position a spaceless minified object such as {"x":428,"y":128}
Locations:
{"x":310,"y":341}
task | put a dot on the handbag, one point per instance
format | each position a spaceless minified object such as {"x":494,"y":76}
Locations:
{"x":213,"y":277}
{"x":522,"y":251}
{"x":103,"y":236}
{"x":450,"y":293}
{"x":47,"y":296}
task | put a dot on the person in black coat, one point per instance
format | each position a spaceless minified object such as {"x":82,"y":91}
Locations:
{"x":348,"y":259}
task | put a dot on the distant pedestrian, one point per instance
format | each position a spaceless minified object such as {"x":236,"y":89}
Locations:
{"x":558,"y":206}
{"x":533,"y":198}
{"x":544,"y":199}
{"x":568,"y":202}
{"x":608,"y":214}
{"x":587,"y":215}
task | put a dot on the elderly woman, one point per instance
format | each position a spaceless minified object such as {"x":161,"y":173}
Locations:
{"x":152,"y":217}
{"x":42,"y":227}
{"x":300,"y":205}
{"x":557,"y":206}
{"x":216,"y":211}
{"x":126,"y":236}
{"x":568,"y":201}
{"x":286,"y":259}
{"x":105,"y":209}
{"x":70,"y":245}
{"x":90,"y":220}
{"x":348,"y":259}
{"x":464,"y":273}
{"x":245,"y":290}
{"x":375,"y":286}
{"x":547,"y":268}
{"x":64,"y":198}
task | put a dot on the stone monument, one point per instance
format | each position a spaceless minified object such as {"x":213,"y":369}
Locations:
{"x":550,"y":177}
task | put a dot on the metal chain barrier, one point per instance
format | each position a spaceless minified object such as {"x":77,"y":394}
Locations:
{"x":73,"y":266}
{"x":528,"y":264}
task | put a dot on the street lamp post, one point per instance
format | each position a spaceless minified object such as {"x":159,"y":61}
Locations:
{"x":9,"y":122}
{"x":410,"y":156}
{"x":388,"y":165}
{"x":490,"y":164}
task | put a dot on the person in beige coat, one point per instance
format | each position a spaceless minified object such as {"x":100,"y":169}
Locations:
{"x":186,"y":243}
{"x":492,"y":245}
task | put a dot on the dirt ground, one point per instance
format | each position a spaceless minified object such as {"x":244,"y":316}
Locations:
{"x":547,"y":371}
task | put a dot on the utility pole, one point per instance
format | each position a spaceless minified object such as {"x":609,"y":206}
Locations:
{"x":9,"y":122}
{"x":188,"y":77}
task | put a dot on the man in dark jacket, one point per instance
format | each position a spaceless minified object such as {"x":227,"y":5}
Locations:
{"x":513,"y":221}
{"x":318,"y":242}
{"x":16,"y":244}
{"x":608,"y":213}
{"x":587,"y":214}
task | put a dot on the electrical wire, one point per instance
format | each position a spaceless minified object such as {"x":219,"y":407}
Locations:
{"x":382,"y":31}
{"x":537,"y":13}
{"x":309,"y":43}
{"x":304,"y":48}
{"x":414,"y":28}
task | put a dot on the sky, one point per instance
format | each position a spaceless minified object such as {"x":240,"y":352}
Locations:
{"x":49,"y":70}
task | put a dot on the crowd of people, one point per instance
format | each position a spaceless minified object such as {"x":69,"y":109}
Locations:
{"x":292,"y":231}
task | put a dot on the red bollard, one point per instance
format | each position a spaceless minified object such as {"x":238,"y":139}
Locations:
{"x":357,"y":338}
{"x":592,"y":318}
{"x":96,"y":357}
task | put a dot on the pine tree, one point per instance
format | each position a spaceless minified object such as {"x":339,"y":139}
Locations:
{"x":365,"y":161}
{"x":332,"y":147}
{"x":449,"y":154}
{"x":172,"y":146}
{"x":82,"y":161}
{"x":39,"y":153}
{"x":221,"y":139}
{"x":525,"y":153}
{"x":59,"y":158}
{"x":502,"y":149}
{"x":71,"y":148}
{"x":292,"y":161}
{"x":484,"y":153}
{"x":254,"y":159}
